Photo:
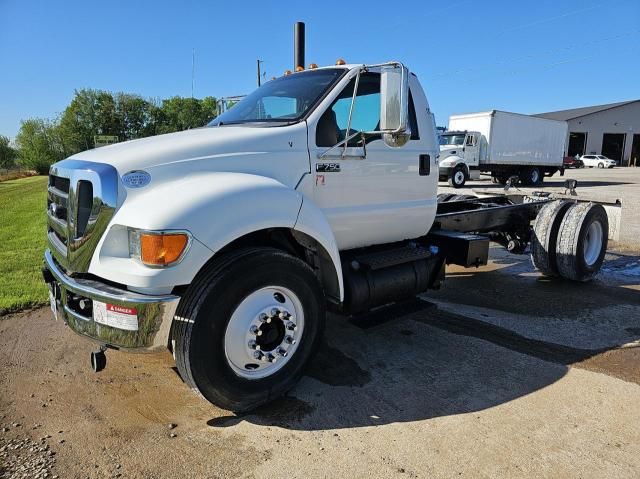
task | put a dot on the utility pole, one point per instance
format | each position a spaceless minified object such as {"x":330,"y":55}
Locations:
{"x":258,"y":62}
{"x":193,"y":69}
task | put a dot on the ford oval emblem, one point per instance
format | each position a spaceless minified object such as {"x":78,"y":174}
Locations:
{"x":136,"y":179}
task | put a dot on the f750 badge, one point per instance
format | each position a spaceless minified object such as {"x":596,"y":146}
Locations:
{"x":327,"y":167}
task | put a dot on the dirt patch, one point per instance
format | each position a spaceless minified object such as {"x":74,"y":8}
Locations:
{"x":111,"y":424}
{"x":7,"y":175}
{"x":621,"y":363}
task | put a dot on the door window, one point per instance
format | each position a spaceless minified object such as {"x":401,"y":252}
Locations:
{"x":332,"y":127}
{"x":366,"y":110}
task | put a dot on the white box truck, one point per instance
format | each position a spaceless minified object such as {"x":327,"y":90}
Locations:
{"x":503,"y":144}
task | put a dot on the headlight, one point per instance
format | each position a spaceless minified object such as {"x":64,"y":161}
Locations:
{"x":158,"y":248}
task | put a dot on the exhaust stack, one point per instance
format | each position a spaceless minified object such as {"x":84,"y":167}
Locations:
{"x":298,"y":45}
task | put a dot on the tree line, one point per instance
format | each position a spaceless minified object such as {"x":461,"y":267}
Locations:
{"x":41,"y":142}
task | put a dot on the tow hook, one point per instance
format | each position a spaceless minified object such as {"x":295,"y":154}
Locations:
{"x":98,"y":359}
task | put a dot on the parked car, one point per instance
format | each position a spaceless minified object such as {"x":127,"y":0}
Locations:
{"x":600,"y":161}
{"x":572,"y":162}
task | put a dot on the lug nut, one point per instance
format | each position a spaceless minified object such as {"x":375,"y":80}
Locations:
{"x":264,"y":318}
{"x":284,"y":315}
{"x":271,"y":358}
{"x":258,"y":354}
{"x":282,"y":352}
{"x":254,"y":345}
{"x":291,"y":326}
{"x":255,"y":330}
{"x":275,"y":312}
{"x":290,"y":340}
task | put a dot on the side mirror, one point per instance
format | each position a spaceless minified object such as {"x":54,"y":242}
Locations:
{"x":394,"y":104}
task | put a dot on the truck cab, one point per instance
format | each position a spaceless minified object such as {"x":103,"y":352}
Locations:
{"x":459,"y":157}
{"x":287,"y":183}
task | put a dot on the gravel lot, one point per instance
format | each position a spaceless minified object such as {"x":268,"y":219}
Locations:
{"x":499,"y":374}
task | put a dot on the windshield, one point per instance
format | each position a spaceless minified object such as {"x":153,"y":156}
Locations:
{"x":286,"y":99}
{"x":452,"y":140}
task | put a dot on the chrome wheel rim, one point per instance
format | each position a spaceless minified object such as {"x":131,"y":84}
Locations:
{"x":264,"y":332}
{"x":592,"y":243}
{"x":458,"y":177}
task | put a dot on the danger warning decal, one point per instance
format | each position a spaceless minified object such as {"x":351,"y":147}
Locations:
{"x":115,"y":316}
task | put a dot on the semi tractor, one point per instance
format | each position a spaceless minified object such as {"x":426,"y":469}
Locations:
{"x":227,"y":244}
{"x":503,"y":144}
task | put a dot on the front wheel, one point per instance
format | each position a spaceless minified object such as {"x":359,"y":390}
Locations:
{"x":600,"y":165}
{"x":458,"y":177}
{"x":248,"y":326}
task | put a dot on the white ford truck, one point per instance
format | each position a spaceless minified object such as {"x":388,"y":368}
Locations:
{"x":503,"y":144}
{"x":226,"y":244}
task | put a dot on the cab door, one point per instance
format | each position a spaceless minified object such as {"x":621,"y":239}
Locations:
{"x":374,"y":193}
{"x":472,"y":155}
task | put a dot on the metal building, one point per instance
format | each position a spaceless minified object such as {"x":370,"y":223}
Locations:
{"x":612,"y":130}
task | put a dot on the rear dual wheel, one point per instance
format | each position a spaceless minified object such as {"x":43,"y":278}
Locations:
{"x":570,"y":240}
{"x":532,"y":176}
{"x":247,"y":327}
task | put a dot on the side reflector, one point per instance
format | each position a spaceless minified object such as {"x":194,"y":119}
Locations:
{"x":162,"y":249}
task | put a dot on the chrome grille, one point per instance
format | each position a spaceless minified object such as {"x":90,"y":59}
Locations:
{"x":81,"y":201}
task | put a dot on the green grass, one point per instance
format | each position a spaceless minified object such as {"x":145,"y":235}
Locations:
{"x":22,"y":243}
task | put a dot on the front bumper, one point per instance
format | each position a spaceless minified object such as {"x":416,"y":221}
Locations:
{"x":444,"y":172}
{"x":136,"y":321}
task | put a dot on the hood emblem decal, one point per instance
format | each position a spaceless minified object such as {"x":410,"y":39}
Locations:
{"x":136,"y":179}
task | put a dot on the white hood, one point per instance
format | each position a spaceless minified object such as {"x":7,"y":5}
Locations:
{"x":276,"y":152}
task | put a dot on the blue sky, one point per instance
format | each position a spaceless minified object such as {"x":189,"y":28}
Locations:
{"x":523,"y":56}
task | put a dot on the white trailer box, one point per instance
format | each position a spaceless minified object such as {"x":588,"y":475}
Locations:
{"x":503,"y":144}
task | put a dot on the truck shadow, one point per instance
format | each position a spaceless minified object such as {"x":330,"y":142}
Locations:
{"x":417,"y":361}
{"x":405,"y":370}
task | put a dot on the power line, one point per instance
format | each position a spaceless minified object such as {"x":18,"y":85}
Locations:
{"x":542,"y":54}
{"x":551,"y":19}
{"x":535,"y":68}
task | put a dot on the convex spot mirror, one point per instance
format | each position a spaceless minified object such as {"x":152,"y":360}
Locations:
{"x":394,"y":104}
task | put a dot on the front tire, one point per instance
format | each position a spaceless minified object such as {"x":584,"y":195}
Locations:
{"x":458,"y":177}
{"x":600,"y":165}
{"x":248,"y":326}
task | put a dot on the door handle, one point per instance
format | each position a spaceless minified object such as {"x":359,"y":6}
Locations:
{"x":424,"y":167}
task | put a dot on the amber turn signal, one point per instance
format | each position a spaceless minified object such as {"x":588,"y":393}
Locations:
{"x":340,"y":61}
{"x":162,"y":249}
